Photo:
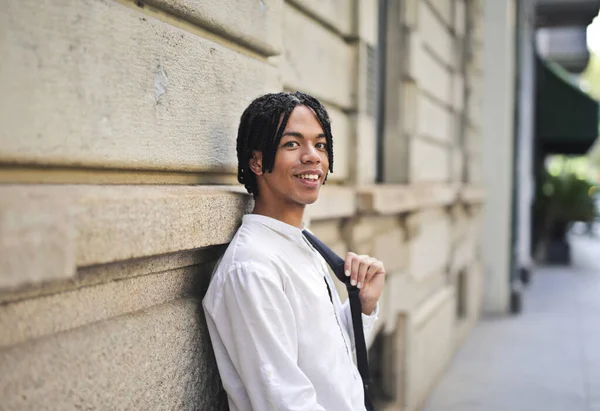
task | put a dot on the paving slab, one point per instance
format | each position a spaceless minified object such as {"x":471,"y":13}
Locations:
{"x":545,"y":359}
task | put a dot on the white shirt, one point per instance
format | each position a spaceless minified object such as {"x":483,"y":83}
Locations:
{"x":279,"y":342}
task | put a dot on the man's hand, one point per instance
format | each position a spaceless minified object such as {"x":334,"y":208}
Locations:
{"x":368,"y":274}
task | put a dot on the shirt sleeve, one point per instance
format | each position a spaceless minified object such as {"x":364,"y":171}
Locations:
{"x":261,"y":339}
{"x":367,"y":320}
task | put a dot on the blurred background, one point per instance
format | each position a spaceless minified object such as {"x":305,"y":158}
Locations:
{"x":466,"y":158}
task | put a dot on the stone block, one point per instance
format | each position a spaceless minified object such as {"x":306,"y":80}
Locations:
{"x":410,"y":107}
{"x":390,"y":248}
{"x":120,"y":270}
{"x":431,"y":345}
{"x":460,"y":17}
{"x":114,"y":223}
{"x":472,"y":194}
{"x":474,"y":169}
{"x":97,"y":84}
{"x":429,"y":161}
{"x":434,"y":120}
{"x":156,"y":359}
{"x":414,"y":54}
{"x":474,"y":290}
{"x":398,"y":298}
{"x":334,"y":202}
{"x":367,"y":15}
{"x":458,"y":84}
{"x":409,"y":14}
{"x":339,"y":14}
{"x":430,"y":248}
{"x":432,"y":77}
{"x":256,"y":25}
{"x":365,"y":228}
{"x":382,"y":237}
{"x":343,"y":135}
{"x":478,"y":27}
{"x":460,"y":222}
{"x":475,"y":105}
{"x":473,"y":142}
{"x":38,"y":317}
{"x":399,"y":198}
{"x":365,"y":157}
{"x":443,"y":9}
{"x":457,"y":164}
{"x":316,"y":60}
{"x":328,"y":231}
{"x":366,"y":78}
{"x":464,"y":254}
{"x":36,"y":241}
{"x":435,"y":33}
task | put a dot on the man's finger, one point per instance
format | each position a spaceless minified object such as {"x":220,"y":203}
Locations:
{"x":348,"y":263}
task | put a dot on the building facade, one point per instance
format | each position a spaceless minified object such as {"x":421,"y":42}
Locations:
{"x":119,"y":193}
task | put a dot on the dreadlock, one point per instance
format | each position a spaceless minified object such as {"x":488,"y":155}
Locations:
{"x":262,"y":125}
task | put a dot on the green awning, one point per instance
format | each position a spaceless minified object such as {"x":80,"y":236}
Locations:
{"x":566,"y":118}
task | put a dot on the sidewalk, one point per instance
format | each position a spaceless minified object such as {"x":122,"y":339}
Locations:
{"x":546,"y":359}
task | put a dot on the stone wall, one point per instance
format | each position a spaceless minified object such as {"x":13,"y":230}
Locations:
{"x":118,"y":192}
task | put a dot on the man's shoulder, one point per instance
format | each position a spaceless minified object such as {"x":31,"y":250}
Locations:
{"x":252,"y":253}
{"x":253,"y":248}
{"x":252,"y":243}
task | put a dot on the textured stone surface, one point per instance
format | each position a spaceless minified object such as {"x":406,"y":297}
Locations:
{"x":34,"y":318}
{"x":95,"y":83}
{"x":334,"y":202}
{"x":435,"y":33}
{"x":431,"y":76}
{"x":460,"y":17}
{"x":255,"y":24}
{"x":367,"y":21}
{"x":382,"y":237}
{"x":112,"y":223}
{"x":430,"y":346}
{"x":443,"y":9}
{"x":343,"y":136}
{"x":316,"y":60}
{"x":157,"y":359}
{"x":36,"y":240}
{"x":458,"y":83}
{"x":430,"y":247}
{"x":328,"y":231}
{"x":434,"y":120}
{"x":399,"y":198}
{"x":338,"y":14}
{"x":99,"y":274}
{"x":429,"y":161}
{"x":365,"y":164}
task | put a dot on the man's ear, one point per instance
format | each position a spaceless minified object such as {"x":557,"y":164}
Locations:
{"x":256,"y":163}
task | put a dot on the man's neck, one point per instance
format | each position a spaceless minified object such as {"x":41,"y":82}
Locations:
{"x":292,"y":215}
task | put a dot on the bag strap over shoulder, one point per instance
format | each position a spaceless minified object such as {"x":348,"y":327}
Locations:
{"x":337,"y":266}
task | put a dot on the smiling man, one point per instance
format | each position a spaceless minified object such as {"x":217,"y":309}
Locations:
{"x":282,"y":339}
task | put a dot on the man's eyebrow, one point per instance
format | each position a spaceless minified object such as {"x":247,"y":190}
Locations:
{"x":299,"y":135}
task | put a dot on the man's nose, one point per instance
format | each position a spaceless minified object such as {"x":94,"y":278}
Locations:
{"x":311,"y":155}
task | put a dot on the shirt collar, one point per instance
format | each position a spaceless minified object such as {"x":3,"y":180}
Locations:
{"x":286,"y":229}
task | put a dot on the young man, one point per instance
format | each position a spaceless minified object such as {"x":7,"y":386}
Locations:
{"x":281,"y":342}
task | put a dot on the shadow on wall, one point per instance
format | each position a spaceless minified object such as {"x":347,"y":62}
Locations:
{"x":204,"y":390}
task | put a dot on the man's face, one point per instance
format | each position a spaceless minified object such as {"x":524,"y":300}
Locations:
{"x":301,"y":162}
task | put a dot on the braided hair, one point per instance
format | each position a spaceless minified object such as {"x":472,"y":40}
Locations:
{"x":262,"y":125}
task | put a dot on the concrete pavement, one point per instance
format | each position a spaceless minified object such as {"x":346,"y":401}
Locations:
{"x":546,"y":359}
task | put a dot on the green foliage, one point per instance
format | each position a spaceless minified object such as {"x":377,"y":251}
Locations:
{"x":591,"y":76}
{"x":565,"y":198}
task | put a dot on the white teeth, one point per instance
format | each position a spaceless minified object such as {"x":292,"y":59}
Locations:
{"x":309,"y":176}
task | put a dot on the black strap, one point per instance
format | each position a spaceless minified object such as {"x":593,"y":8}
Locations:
{"x":337,"y":266}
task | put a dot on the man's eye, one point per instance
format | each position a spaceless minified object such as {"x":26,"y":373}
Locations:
{"x":322,"y":146}
{"x":291,"y":144}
